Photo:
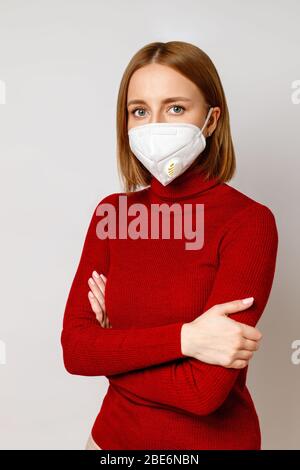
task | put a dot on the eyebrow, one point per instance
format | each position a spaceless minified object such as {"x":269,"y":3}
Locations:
{"x":167,"y":100}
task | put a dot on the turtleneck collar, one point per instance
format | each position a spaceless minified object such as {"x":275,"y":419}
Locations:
{"x":193,"y":181}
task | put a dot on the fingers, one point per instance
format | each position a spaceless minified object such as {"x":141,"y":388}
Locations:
{"x":94,"y":284}
{"x":244,"y":355}
{"x":238,"y":364}
{"x":97,"y":298}
{"x":249,"y":332}
{"x":234,"y":306}
{"x":239,"y":359}
{"x":100,"y":281}
{"x":108,"y":322}
{"x":227,"y":308}
{"x":250,"y":345}
{"x":96,"y":308}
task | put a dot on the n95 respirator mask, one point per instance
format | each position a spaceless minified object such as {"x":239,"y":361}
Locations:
{"x":167,"y":149}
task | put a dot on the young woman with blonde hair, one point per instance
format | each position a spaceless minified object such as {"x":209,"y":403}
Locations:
{"x":170,"y":324}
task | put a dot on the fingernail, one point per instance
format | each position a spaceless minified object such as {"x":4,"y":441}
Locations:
{"x":95,"y":274}
{"x":90,"y":294}
{"x":91,"y":281}
{"x":248,"y":300}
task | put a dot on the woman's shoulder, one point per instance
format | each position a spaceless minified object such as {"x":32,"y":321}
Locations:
{"x":132,"y":196}
{"x":248,"y":215}
{"x":108,"y":199}
{"x":244,"y":205}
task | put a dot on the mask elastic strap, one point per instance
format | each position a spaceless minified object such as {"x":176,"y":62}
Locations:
{"x":208,"y":116}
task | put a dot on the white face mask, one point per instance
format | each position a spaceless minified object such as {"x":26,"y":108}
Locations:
{"x":167,"y":149}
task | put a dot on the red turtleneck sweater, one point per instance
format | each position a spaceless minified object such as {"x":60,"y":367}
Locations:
{"x":158,"y":398}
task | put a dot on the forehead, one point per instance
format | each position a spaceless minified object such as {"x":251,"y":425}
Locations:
{"x":156,"y":81}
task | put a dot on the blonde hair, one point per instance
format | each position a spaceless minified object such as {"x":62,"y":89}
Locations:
{"x":218,"y":157}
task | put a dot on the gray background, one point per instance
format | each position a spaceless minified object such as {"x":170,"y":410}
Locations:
{"x":62,"y":62}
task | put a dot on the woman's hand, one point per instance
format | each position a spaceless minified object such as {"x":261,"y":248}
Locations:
{"x":97,"y":298}
{"x":216,"y":339}
{"x":212,"y":337}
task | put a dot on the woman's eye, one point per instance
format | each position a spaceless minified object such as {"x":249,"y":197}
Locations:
{"x":137,"y":109}
{"x":177,"y":106}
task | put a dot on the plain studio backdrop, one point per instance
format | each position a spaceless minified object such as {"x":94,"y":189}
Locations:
{"x":61,"y":63}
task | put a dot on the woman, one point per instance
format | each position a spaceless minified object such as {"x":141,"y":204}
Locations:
{"x":163,"y":318}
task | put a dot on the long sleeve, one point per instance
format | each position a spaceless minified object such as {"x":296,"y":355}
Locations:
{"x":91,"y":350}
{"x":247,"y":258}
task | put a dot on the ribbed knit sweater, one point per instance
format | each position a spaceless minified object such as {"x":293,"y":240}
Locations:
{"x":158,"y":398}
